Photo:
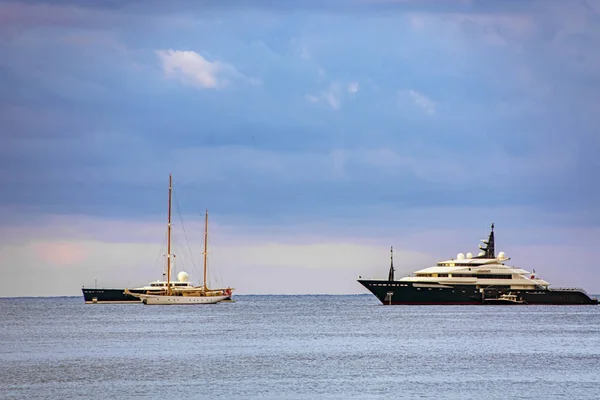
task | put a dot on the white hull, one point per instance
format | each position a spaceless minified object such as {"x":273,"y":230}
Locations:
{"x":166,"y":300}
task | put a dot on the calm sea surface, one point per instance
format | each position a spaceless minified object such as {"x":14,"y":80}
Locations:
{"x":296,"y":347}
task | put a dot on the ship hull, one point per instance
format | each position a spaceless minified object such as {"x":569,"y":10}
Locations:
{"x":427,"y":293}
{"x":107,"y":296}
{"x":115,"y":296}
{"x":180,"y":300}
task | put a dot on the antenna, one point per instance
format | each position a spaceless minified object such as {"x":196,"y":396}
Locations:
{"x":490,"y":247}
{"x":391,"y":274}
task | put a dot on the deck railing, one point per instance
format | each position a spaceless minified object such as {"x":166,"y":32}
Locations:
{"x":570,"y":289}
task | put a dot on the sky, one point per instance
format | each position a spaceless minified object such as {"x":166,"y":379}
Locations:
{"x":317,"y":134}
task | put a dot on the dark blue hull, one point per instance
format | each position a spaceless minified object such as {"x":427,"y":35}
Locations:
{"x":426,"y":293}
{"x":108,"y":296}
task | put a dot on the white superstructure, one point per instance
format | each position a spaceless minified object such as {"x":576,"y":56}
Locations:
{"x":480,"y":271}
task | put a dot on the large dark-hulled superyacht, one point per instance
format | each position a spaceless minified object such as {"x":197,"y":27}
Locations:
{"x":468,"y":279}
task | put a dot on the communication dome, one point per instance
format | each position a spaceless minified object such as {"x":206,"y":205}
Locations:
{"x":183,"y":276}
{"x":469,"y":255}
{"x":481,"y":254}
{"x":501,"y":255}
{"x":460,"y":256}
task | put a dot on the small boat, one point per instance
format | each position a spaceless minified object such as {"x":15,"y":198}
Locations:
{"x":505,"y":299}
{"x":174,"y":294}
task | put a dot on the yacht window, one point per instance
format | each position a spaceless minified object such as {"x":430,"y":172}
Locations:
{"x":482,"y":276}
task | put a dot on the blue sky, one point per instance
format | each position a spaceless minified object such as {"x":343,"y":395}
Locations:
{"x":357,"y":121}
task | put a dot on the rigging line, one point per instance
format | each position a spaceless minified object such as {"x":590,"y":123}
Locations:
{"x":180,"y":260}
{"x":213,"y":273}
{"x":160,"y":250}
{"x":192,"y":261}
{"x":184,"y":231}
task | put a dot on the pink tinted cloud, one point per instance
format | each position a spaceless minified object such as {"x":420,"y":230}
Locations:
{"x":59,"y":253}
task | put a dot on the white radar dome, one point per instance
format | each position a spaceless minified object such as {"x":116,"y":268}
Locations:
{"x":481,"y":254}
{"x":183,"y":276}
{"x":460,"y":256}
{"x":501,"y":255}
{"x":469,"y":255}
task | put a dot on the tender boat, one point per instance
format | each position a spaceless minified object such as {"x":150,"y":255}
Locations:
{"x":504,"y":299}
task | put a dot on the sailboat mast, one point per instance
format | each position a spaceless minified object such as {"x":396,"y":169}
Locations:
{"x":205,"y":245}
{"x":169,"y":239}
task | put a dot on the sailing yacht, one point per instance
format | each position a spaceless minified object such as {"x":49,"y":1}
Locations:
{"x":172,"y":293}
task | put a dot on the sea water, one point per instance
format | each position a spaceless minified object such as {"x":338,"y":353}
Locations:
{"x":296,"y":347}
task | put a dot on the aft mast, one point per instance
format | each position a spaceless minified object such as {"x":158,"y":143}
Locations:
{"x":169,"y":239}
{"x":205,"y":246}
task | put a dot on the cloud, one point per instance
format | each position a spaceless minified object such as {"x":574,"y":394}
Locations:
{"x":244,"y":181}
{"x":191,"y":68}
{"x":423,"y":101}
{"x":59,"y":253}
{"x":419,"y":100}
{"x":20,"y":15}
{"x":333,"y":95}
{"x":312,"y":99}
{"x":304,"y":53}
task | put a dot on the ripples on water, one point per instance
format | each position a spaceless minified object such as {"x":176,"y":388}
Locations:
{"x":297,"y":347}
